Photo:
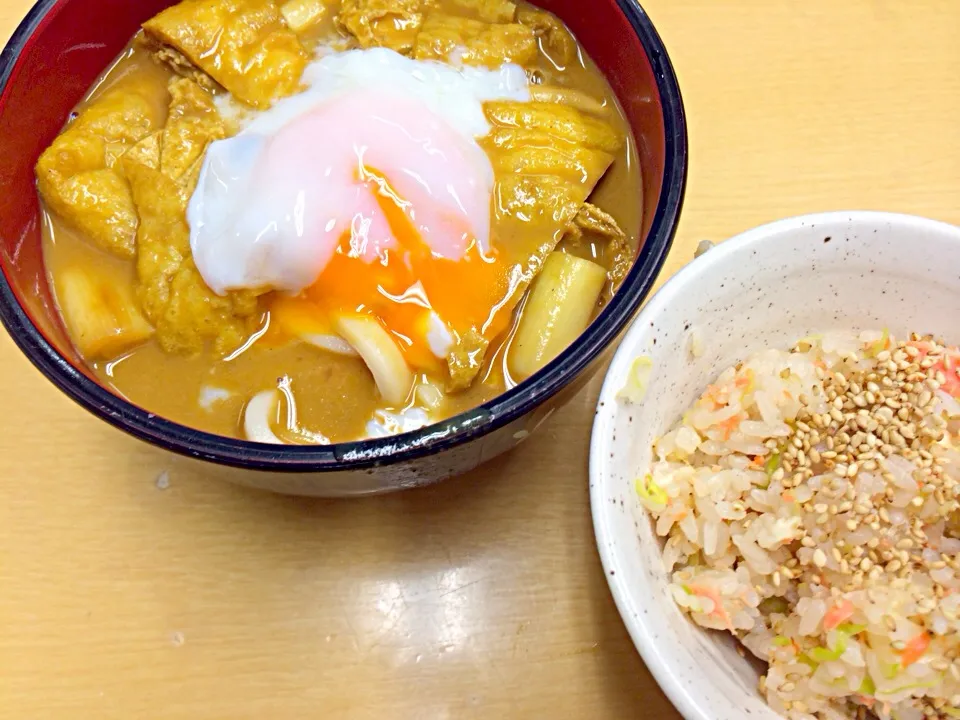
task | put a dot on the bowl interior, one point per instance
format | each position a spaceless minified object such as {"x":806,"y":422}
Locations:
{"x":768,"y":287}
{"x":63,"y":46}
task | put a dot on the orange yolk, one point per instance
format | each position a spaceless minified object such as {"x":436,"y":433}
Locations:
{"x":403,"y":285}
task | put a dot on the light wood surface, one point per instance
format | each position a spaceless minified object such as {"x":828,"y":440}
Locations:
{"x":483,"y":597}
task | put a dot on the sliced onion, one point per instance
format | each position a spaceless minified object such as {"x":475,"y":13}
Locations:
{"x":429,"y":395}
{"x":381,"y":354}
{"x":385,"y":424}
{"x":569,"y":97}
{"x":330,"y":343}
{"x":256,"y":418}
{"x":210,"y":396}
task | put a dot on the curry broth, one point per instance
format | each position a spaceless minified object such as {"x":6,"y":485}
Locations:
{"x":335,"y":395}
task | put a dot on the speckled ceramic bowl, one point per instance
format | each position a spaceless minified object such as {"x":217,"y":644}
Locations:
{"x":766,"y":287}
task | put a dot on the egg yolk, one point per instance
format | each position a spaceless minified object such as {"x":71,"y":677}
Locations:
{"x":407,"y":283}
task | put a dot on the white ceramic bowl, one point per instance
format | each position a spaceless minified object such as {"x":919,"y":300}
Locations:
{"x":765,"y":288}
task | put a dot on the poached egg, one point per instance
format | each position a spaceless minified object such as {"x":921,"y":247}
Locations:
{"x":366,"y":193}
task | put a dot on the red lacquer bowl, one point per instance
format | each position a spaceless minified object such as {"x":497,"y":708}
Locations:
{"x":47,"y":67}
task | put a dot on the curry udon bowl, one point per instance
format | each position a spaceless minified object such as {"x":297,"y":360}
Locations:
{"x":62,"y":48}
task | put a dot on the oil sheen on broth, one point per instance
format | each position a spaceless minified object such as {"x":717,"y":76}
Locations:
{"x":324,"y":394}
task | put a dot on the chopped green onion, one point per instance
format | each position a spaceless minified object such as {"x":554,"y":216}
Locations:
{"x":891,"y":671}
{"x":878,"y":346}
{"x":867,"y":687}
{"x":851,"y":629}
{"x":781,"y":641}
{"x":770,"y":467}
{"x":932,"y":682}
{"x":635,"y":388}
{"x":809,"y":341}
{"x":822,"y":654}
{"x":652,"y":496}
{"x":772,"y":464}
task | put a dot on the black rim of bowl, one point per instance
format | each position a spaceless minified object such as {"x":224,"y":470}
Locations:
{"x":433,"y":439}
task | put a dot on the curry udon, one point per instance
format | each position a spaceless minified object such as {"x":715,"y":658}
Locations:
{"x":318,"y":221}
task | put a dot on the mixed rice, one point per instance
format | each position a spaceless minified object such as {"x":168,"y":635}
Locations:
{"x":810,"y":504}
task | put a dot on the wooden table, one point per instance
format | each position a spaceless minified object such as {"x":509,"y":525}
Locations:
{"x":481,"y":598}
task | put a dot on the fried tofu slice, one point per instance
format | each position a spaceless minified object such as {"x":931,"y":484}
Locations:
{"x":555,"y":39}
{"x":146,"y":152}
{"x":552,"y":124}
{"x":188,"y":315}
{"x":491,"y":11}
{"x":465,"y":361}
{"x":302,"y":15}
{"x":97,"y":204}
{"x":193,"y":123}
{"x":592,"y":220}
{"x":474,"y":42}
{"x":547,"y":159}
{"x":483,"y":29}
{"x":244,"y":45}
{"x":76,"y":176}
{"x":182,"y":66}
{"x":162,"y":171}
{"x":392,"y":24}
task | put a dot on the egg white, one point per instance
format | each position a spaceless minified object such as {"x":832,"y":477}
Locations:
{"x":239,"y":242}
